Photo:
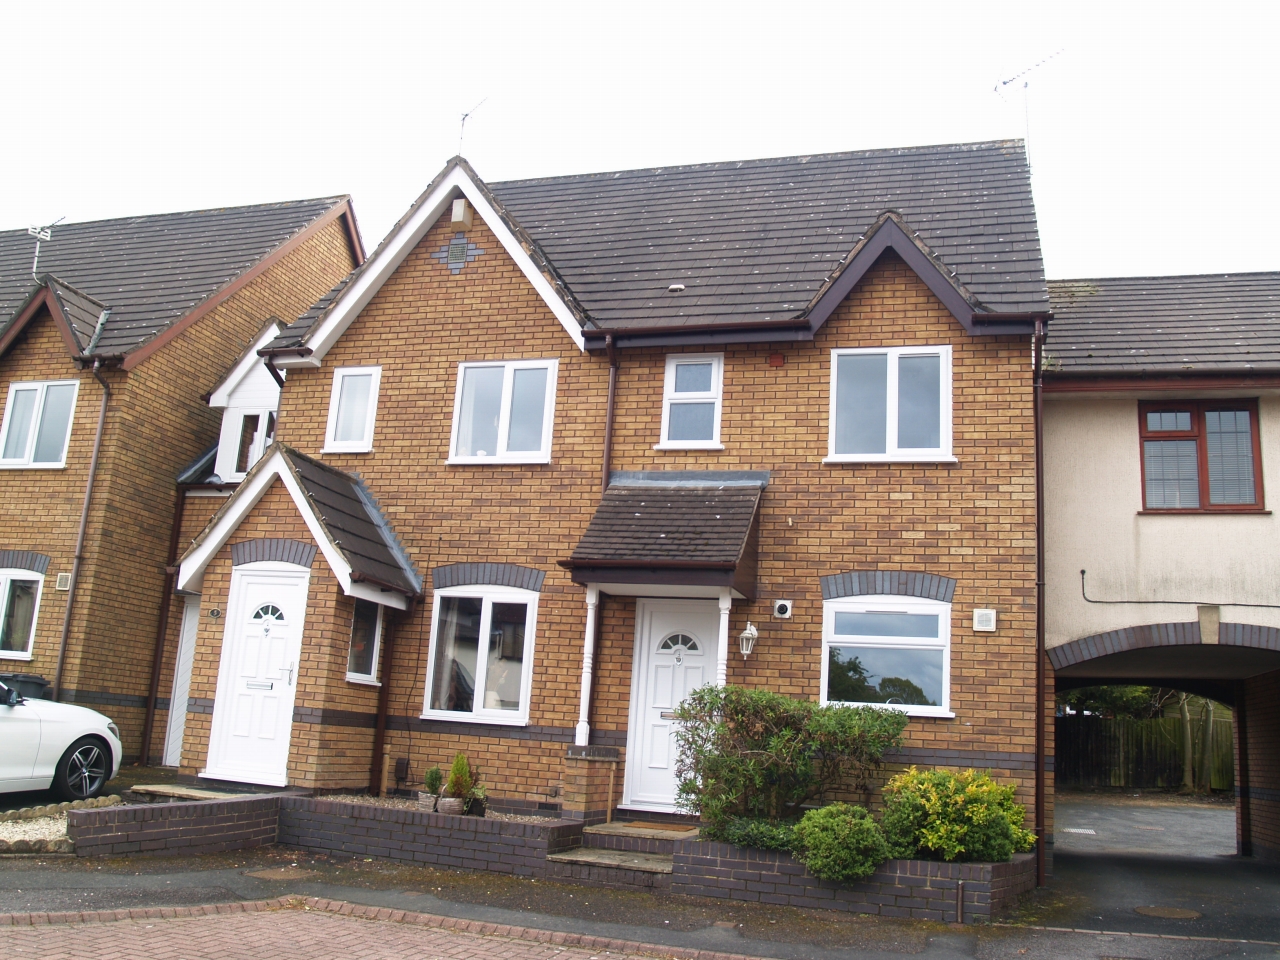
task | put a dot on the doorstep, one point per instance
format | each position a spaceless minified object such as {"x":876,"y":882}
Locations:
{"x":164,"y":792}
{"x":643,"y":831}
{"x":615,"y":859}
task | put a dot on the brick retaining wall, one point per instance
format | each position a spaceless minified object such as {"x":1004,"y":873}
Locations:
{"x":921,"y":889}
{"x":468,"y":843}
{"x":169,"y":828}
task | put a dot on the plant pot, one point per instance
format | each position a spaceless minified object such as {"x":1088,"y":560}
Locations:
{"x":427,"y":801}
{"x":475,"y":807}
{"x":454,"y":806}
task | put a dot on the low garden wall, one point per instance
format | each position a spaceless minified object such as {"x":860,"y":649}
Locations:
{"x":169,"y":828}
{"x":920,"y":889}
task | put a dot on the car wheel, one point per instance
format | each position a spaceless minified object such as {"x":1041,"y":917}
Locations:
{"x":83,"y":770}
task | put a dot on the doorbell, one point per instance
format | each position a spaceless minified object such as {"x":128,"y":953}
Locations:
{"x":782,"y":609}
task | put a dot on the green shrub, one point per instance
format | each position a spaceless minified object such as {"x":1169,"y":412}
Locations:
{"x":755,"y":754}
{"x":434,"y":780}
{"x":752,"y":832}
{"x":953,"y":816}
{"x":840,"y":842}
{"x":460,"y":780}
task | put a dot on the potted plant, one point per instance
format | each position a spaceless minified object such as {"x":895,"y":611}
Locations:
{"x":457,"y":789}
{"x":477,"y":802}
{"x":433,"y":781}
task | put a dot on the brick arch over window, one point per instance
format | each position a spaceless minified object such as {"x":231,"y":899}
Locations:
{"x":901,"y":583}
{"x":285,"y":551}
{"x":24,"y":560}
{"x":494,"y":574}
{"x":1160,"y":635}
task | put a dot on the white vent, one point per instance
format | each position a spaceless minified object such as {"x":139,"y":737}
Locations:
{"x":64,"y":582}
{"x":984,"y":621}
{"x":461,"y":213}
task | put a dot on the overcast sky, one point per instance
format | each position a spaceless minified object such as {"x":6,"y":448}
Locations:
{"x":1153,"y":133}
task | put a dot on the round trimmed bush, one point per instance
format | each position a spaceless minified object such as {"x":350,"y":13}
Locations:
{"x":840,"y":842}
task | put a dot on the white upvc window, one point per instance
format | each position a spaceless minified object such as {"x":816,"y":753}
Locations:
{"x":888,"y":651}
{"x":890,"y":404}
{"x":247,"y":434}
{"x":503,"y":412}
{"x":353,"y":407}
{"x":19,"y":603}
{"x":366,"y":639}
{"x":37,"y":423}
{"x":692,"y":391}
{"x":481,"y":666}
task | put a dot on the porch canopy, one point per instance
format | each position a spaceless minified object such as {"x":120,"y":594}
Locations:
{"x":674,"y":533}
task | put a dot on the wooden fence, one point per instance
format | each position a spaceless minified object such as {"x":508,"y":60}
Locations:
{"x":1145,"y":754}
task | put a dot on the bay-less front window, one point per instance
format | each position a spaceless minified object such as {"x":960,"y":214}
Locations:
{"x":889,"y":651}
{"x":37,"y":424}
{"x":353,"y":409}
{"x":481,"y":655}
{"x":693,"y":388}
{"x":19,"y":602}
{"x":890,"y":404}
{"x":1200,"y":456}
{"x":504,"y":412}
{"x":366,"y":634}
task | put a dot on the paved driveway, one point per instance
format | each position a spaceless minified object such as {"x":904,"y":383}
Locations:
{"x":1106,"y":824}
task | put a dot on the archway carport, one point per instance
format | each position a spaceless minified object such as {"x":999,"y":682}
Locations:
{"x":1238,"y":665}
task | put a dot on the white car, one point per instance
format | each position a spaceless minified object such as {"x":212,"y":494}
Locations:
{"x":43,"y":745}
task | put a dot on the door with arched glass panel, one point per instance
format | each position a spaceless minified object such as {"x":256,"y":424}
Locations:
{"x":675,"y":654}
{"x":257,"y":677}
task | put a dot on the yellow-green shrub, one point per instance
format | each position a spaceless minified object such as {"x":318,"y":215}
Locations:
{"x":937,"y":814}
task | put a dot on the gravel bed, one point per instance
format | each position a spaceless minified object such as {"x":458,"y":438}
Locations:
{"x":404,"y":803}
{"x":44,"y":828}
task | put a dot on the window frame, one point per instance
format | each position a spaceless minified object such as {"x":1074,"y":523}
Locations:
{"x":669,"y":396}
{"x":1199,"y":432}
{"x":8,"y":574}
{"x":370,"y":679}
{"x":258,"y":446}
{"x":489,"y":595}
{"x":552,"y":366}
{"x":891,"y":603}
{"x":42,"y":387}
{"x":365,"y":445}
{"x":943,"y":453}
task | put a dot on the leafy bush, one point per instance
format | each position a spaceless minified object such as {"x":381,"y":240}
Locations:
{"x":755,"y":754}
{"x":840,"y":842}
{"x":953,"y":816}
{"x":460,"y":782}
{"x":434,"y":780}
{"x":752,"y":832}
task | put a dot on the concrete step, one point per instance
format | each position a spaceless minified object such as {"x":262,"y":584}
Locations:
{"x":637,"y":837}
{"x":168,"y":792}
{"x":618,"y":869}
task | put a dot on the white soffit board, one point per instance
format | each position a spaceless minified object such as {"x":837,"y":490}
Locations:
{"x":376,"y":272}
{"x":221,"y":395}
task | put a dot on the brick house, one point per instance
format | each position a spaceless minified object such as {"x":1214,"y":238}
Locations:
{"x":108,"y":343}
{"x":612,"y":423}
{"x":1161,"y":429}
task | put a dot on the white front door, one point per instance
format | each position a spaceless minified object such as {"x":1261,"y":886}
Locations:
{"x":257,"y":677}
{"x":177,"y":726}
{"x":675,"y":654}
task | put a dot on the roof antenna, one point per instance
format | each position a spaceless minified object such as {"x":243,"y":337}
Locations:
{"x":463,"y":126}
{"x":41,"y":233}
{"x":1026,"y":110}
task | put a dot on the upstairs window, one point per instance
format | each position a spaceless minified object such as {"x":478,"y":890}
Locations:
{"x":1201,"y":456}
{"x":691,"y":398}
{"x":890,"y":404}
{"x":888,"y":651}
{"x":503,"y":412}
{"x":19,"y":601}
{"x":37,"y":423}
{"x":353,"y":406}
{"x":481,"y":663}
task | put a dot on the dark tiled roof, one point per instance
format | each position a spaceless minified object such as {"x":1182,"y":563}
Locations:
{"x":1216,"y":323}
{"x":149,"y":271}
{"x":682,"y":524}
{"x":200,"y":470}
{"x":355,"y":524}
{"x":755,"y":240}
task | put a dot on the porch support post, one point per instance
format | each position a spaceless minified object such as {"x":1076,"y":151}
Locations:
{"x":583,"y":732}
{"x":722,"y":648}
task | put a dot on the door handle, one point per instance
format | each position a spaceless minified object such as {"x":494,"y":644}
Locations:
{"x":291,"y":674}
{"x":259,"y":685}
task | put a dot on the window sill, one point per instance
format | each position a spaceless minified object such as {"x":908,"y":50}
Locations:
{"x":688,"y":446}
{"x":33,"y":466}
{"x":890,"y":459}
{"x":497,"y":461}
{"x":451,"y":716}
{"x":363,"y":681}
{"x":362,"y":449}
{"x":11,"y":655}
{"x":1227,"y":512}
{"x":940,"y":713}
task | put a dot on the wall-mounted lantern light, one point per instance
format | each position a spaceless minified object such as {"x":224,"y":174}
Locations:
{"x":747,"y":639}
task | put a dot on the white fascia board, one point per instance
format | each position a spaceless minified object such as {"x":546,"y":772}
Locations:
{"x":246,"y":497}
{"x":376,"y":273}
{"x":221,"y":395}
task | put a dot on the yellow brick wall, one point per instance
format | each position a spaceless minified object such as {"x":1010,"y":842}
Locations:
{"x":972,"y":520}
